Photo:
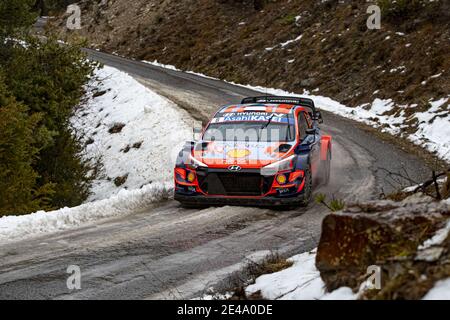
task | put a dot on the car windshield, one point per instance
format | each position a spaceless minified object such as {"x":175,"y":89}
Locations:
{"x":250,"y":131}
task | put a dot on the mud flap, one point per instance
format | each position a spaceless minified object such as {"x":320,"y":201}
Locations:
{"x":325,"y":145}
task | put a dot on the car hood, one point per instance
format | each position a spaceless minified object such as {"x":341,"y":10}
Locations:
{"x":245,"y":154}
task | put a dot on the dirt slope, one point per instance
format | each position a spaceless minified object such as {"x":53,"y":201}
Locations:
{"x":337,"y":53}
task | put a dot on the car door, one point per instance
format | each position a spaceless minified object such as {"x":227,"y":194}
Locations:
{"x":312,"y":140}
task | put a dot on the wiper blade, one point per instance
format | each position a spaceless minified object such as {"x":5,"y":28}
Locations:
{"x":265,"y":125}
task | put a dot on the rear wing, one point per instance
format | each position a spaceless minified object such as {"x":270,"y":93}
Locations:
{"x":304,"y":102}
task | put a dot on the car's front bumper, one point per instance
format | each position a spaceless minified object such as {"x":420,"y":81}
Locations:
{"x":201,"y":200}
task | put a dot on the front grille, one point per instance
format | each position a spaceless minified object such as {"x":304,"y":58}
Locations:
{"x":234,"y":184}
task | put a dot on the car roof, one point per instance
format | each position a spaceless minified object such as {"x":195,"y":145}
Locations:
{"x":261,"y":107}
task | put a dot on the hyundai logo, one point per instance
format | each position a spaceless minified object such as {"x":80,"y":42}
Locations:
{"x":234,"y":168}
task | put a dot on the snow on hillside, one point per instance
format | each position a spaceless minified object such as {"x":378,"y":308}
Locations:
{"x":135,"y":132}
{"x":152,"y":131}
{"x":432,"y":133}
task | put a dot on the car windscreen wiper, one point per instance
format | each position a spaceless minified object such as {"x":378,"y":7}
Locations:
{"x":264,"y":126}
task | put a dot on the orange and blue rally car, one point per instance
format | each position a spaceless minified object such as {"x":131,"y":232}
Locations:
{"x":265,"y":151}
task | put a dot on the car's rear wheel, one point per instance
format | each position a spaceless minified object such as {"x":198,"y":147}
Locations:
{"x":325,"y":169}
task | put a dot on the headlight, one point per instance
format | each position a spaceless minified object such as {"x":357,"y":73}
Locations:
{"x":191,"y":177}
{"x":281,"y":179}
{"x":283,"y":165}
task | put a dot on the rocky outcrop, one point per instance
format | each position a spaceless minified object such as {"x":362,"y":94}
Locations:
{"x":391,"y":235}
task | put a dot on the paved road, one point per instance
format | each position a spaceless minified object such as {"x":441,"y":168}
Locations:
{"x":168,"y":252}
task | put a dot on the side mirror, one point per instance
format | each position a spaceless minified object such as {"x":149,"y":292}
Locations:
{"x":318,"y":117}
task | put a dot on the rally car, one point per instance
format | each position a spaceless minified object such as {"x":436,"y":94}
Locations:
{"x":265,"y":151}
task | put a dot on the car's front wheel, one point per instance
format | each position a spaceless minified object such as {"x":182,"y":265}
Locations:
{"x":307,"y":188}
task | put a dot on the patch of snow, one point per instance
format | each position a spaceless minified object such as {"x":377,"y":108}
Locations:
{"x":415,"y":187}
{"x":430,"y":254}
{"x":285,"y":44}
{"x":343,"y":293}
{"x":161,"y":65}
{"x":380,"y":106}
{"x":402,"y":69}
{"x":145,"y":149}
{"x":434,"y":136}
{"x":301,"y":281}
{"x":438,"y":238}
{"x":440,"y":291}
{"x":215,"y":296}
{"x":13,"y":228}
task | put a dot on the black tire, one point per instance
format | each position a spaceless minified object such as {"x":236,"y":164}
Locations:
{"x":325,"y":169}
{"x":307,"y":189}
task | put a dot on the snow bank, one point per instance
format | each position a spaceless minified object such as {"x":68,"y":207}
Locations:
{"x":125,"y":202}
{"x":440,"y":291}
{"x":145,"y":149}
{"x":300,"y":282}
{"x":144,"y":152}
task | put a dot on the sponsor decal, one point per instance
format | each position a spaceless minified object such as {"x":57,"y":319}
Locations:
{"x":252,"y":117}
{"x":238,"y":153}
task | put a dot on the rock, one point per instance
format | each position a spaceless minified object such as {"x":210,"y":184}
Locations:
{"x":374,"y":233}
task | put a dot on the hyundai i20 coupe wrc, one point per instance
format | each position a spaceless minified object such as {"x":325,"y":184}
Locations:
{"x":265,"y":152}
